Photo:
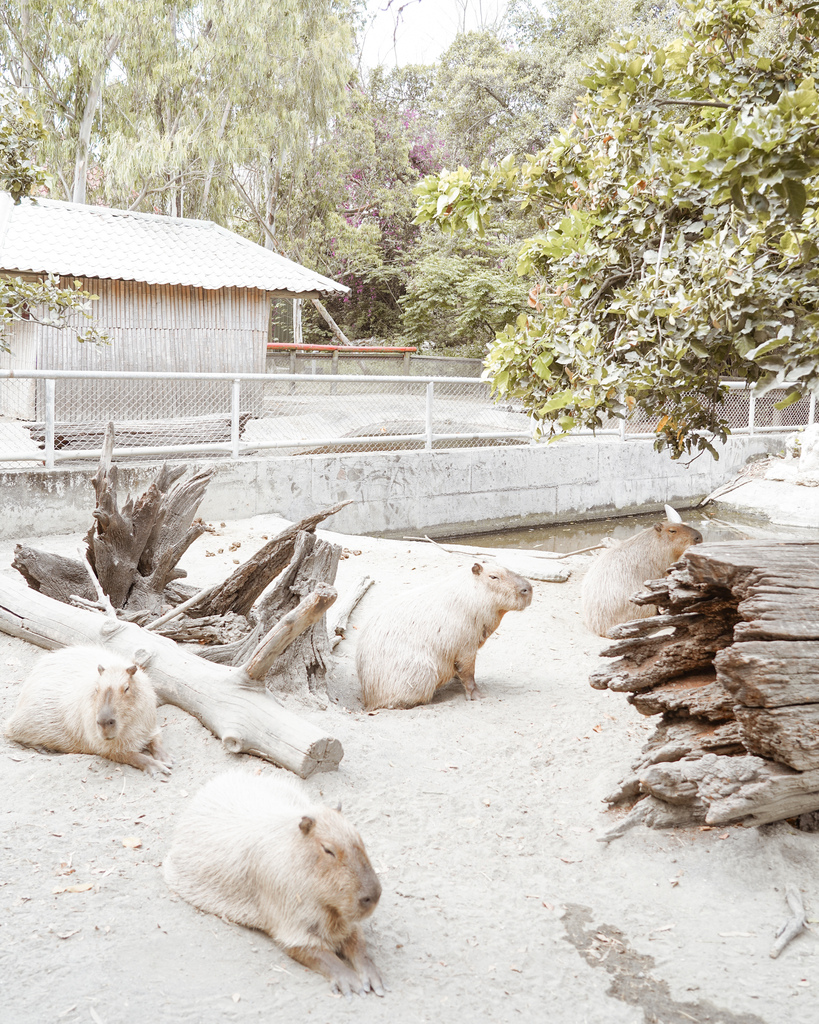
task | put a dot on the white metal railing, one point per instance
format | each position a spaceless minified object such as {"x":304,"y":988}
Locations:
{"x":53,"y":416}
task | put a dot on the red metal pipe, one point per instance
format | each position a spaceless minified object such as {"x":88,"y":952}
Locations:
{"x":283,"y":346}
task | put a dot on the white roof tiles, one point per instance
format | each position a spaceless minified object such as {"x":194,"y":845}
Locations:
{"x":73,"y":240}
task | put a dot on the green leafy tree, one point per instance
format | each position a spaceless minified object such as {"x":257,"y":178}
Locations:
{"x":21,"y":132}
{"x":509,"y":89}
{"x":460,"y":296}
{"x":678,"y":219}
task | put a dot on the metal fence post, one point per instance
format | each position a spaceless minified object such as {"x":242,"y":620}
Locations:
{"x":622,"y":430}
{"x":50,"y":400}
{"x":812,"y":408}
{"x":430,"y":393}
{"x":751,"y":413}
{"x":234,"y":417}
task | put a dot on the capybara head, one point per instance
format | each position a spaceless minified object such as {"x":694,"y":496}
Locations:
{"x":341,"y":876}
{"x":115,"y":698}
{"x":510,"y":591}
{"x":676,"y":537}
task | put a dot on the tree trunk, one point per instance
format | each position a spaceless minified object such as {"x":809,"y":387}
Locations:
{"x":89,"y":112}
{"x":240,"y":590}
{"x":339,"y":334}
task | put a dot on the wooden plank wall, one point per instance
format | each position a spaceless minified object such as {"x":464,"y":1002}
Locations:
{"x":158,"y":328}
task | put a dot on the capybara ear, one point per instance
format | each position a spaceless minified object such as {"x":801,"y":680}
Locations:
{"x":131,"y":670}
{"x":306,"y":824}
{"x":100,"y":669}
{"x":658,"y":527}
{"x":477,"y":568}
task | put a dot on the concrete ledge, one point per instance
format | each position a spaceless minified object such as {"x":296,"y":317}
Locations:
{"x":781,"y":503}
{"x":462,"y":490}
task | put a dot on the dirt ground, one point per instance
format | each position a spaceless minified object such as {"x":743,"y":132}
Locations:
{"x":482,"y":820}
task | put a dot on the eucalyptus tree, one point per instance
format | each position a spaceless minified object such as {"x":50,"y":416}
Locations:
{"x":207,"y":108}
{"x":220,"y":106}
{"x":677,"y":228}
{"x":60,"y":54}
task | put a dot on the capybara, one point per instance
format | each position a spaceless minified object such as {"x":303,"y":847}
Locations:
{"x":88,"y":700}
{"x":258,"y":851}
{"x":418,"y":641}
{"x":621,"y":570}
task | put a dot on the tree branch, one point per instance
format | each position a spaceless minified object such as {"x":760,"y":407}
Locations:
{"x":694,"y":103}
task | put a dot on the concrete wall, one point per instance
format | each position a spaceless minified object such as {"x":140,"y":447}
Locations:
{"x":438,"y":492}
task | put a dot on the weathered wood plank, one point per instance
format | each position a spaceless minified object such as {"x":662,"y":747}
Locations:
{"x":741,"y":789}
{"x":788,"y":735}
{"x":698,"y":694}
{"x":772,"y":673}
{"x":690,"y":647}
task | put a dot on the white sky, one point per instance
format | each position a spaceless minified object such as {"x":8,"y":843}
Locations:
{"x":425,"y":28}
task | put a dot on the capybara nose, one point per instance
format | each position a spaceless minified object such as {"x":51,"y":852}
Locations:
{"x":371,"y":896}
{"x":105,"y":722}
{"x":697,"y":537}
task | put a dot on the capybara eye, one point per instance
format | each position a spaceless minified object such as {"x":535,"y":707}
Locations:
{"x":328,"y":850}
{"x":126,"y":688}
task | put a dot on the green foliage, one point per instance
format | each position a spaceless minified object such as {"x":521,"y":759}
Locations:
{"x":457,"y":297}
{"x":678,"y":216}
{"x":508,"y":91}
{"x":45,"y":302}
{"x":21,"y":132}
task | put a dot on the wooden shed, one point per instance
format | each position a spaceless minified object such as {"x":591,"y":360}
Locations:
{"x":174,"y":295}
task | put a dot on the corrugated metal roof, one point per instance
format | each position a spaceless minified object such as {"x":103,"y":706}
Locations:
{"x":74,"y":240}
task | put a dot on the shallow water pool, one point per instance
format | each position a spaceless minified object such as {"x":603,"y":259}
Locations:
{"x":574,"y":536}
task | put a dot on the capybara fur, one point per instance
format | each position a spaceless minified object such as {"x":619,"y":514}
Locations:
{"x":88,"y":700}
{"x":259,"y":851}
{"x":420,"y":640}
{"x":621,"y":570}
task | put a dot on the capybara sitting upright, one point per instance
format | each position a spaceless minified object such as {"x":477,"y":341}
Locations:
{"x":418,"y":641}
{"x":621,"y":570}
{"x":258,"y":851}
{"x":88,"y":700}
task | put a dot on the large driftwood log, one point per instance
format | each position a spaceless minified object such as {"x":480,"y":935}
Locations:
{"x":302,"y":667}
{"x":731,"y":667}
{"x":134,"y":550}
{"x":230,"y":702}
{"x":53,"y":575}
{"x":240,"y":590}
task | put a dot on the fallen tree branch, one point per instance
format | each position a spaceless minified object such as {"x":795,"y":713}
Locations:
{"x":794,"y":924}
{"x":346,"y":609}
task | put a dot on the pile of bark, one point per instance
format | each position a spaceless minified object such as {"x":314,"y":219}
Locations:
{"x":259,"y":632}
{"x":731,"y":666}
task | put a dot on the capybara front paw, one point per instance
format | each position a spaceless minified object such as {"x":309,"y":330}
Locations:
{"x":154,"y":768}
{"x":345,"y":981}
{"x":370,"y":977}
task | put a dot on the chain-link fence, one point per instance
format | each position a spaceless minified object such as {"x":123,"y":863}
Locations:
{"x":49,"y":417}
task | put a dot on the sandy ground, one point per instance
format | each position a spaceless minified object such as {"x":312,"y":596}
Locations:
{"x":482,"y":819}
